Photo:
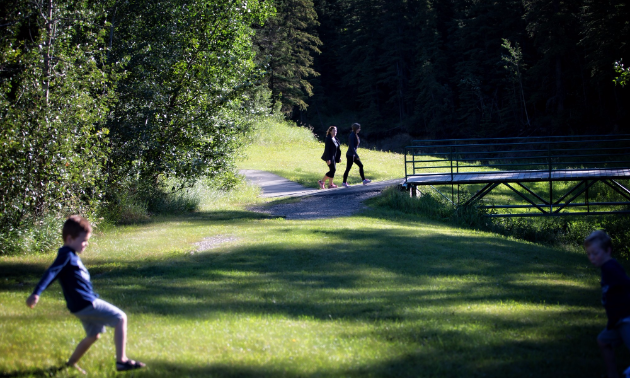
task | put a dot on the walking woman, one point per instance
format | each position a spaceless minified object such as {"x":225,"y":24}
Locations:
{"x":353,"y":156}
{"x":332,"y":156}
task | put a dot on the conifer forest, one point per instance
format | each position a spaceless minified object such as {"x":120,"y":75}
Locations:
{"x":460,"y":68}
{"x":103,"y":100}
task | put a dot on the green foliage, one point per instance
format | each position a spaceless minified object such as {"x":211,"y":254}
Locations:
{"x":40,"y":236}
{"x":189,"y":67}
{"x":100,"y":103}
{"x":623,"y":72}
{"x":433,"y":206}
{"x":55,"y":92}
{"x":285,"y":45}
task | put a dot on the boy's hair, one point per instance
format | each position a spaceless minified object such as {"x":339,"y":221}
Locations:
{"x":74,"y":226}
{"x":600,"y":238}
{"x":355,"y":127}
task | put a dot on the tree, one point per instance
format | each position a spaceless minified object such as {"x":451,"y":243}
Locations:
{"x":286,"y":44}
{"x":623,"y":72}
{"x":186,"y":62}
{"x":55,"y":91}
{"x":514,"y":65}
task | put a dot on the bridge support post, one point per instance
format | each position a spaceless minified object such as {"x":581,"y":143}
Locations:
{"x":413,"y":191}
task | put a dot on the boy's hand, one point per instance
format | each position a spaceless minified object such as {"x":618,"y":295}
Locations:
{"x":32,"y":300}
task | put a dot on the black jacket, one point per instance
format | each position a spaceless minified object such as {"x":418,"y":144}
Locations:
{"x":332,"y":151}
{"x":353,"y":144}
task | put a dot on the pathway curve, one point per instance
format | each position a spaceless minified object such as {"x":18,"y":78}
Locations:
{"x":311,"y":203}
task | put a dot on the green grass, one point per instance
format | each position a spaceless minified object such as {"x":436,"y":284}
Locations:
{"x":372,"y":295}
{"x":381,"y":294}
{"x":294,"y":153}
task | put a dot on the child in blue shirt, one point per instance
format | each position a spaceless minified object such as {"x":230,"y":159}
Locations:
{"x":81,"y":300}
{"x":615,"y":298}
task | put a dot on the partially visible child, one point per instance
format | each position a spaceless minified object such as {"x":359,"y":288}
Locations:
{"x":81,"y":300}
{"x":615,"y":298}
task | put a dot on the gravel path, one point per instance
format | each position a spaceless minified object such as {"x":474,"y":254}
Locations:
{"x":312,"y":204}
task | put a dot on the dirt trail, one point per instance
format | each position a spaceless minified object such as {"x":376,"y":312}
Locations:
{"x":310,"y":203}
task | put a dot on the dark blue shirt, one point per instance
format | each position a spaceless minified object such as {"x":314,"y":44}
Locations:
{"x":353,"y":144}
{"x":73,"y":277}
{"x":615,"y":292}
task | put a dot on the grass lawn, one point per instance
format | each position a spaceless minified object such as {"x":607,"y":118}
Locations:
{"x":379,"y":294}
{"x":370,"y":295}
{"x":293,"y":153}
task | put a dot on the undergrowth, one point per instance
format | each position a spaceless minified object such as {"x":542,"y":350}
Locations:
{"x":553,"y":231}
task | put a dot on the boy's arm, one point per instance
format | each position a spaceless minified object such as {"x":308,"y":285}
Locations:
{"x":49,"y":276}
{"x":616,"y":276}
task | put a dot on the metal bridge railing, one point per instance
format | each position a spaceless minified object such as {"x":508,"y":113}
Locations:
{"x":511,"y":155}
{"x":512,"y":162}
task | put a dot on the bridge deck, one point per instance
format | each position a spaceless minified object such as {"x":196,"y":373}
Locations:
{"x":520,"y":176}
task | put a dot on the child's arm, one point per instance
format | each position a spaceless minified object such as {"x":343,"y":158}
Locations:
{"x":49,"y":276}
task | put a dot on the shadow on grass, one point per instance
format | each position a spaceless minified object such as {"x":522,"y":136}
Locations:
{"x":44,"y":372}
{"x":509,"y":359}
{"x":378,"y":276}
{"x":361,"y":275}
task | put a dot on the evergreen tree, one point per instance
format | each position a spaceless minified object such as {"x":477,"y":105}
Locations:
{"x":433,"y":95}
{"x":286,"y":44}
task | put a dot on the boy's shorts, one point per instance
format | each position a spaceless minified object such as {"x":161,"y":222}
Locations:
{"x":618,"y":335}
{"x":99,"y":315}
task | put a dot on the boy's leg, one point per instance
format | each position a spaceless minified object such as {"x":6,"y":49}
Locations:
{"x":606,"y":340}
{"x":80,"y":350}
{"x":608,"y":354}
{"x":120,"y":339}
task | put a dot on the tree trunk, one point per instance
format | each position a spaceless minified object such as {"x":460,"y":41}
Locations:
{"x":559,"y":87}
{"x":47,"y":53}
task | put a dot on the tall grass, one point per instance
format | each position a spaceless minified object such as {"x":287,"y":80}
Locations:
{"x":552,"y":231}
{"x":274,"y":131}
{"x":293,"y":152}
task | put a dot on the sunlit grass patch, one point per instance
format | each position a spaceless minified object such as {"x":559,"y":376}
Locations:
{"x":370,"y":295}
{"x":294,"y":153}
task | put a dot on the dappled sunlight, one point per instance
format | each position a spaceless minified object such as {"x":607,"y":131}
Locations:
{"x":353,"y":297}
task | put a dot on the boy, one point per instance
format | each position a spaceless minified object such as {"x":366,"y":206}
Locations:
{"x":615,"y":298}
{"x":81,"y":300}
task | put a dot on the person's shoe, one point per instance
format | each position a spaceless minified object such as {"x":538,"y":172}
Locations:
{"x":366,"y":181}
{"x":321,"y":184}
{"x":129,"y":365}
{"x":345,"y":185}
{"x":333,"y":186}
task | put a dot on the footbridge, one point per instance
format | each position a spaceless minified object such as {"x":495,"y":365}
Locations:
{"x":525,"y":176}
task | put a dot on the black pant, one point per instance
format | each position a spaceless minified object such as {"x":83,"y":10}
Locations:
{"x":332,"y":168}
{"x":356,"y":161}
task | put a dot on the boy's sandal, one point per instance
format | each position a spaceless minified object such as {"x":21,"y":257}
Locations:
{"x":129,"y":365}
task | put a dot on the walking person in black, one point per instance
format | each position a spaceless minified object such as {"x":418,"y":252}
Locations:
{"x":353,"y":156}
{"x":332,"y":156}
